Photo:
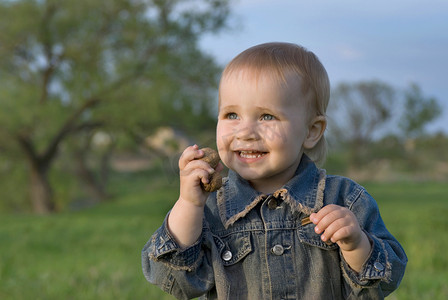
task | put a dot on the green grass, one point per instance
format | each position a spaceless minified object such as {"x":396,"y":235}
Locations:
{"x":95,"y":253}
{"x":416,"y":214}
{"x":90,"y":254}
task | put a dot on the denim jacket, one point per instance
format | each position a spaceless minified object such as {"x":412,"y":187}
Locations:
{"x":256,"y":246}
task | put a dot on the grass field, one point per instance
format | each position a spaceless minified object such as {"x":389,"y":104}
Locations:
{"x":95,"y":253}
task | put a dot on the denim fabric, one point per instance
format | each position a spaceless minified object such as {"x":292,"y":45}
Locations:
{"x":255,"y":246}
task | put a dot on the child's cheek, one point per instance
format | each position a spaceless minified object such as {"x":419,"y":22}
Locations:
{"x":223,"y":140}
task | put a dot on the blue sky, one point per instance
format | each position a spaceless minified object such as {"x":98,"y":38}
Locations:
{"x":398,"y":42}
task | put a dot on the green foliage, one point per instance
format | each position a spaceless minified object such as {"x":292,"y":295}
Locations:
{"x":141,"y":61}
{"x":362,"y":107}
{"x":358,"y":111}
{"x":123,"y":66}
{"x":419,"y":111}
{"x":358,"y":115}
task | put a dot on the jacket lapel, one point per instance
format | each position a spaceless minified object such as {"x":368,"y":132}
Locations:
{"x":303,"y":193}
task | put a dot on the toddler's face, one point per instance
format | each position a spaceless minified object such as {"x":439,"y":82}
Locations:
{"x":262,"y":128}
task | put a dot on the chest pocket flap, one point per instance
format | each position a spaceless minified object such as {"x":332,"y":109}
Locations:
{"x":307,"y":235}
{"x":233,"y":247}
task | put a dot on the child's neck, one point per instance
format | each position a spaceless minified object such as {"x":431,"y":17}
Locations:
{"x":266,"y":187}
{"x":270,"y":185}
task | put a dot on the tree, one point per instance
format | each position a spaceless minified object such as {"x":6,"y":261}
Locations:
{"x":74,"y":66}
{"x":358,"y":111}
{"x":418,"y":111}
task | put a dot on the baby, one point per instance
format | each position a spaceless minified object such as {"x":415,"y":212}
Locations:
{"x":279,"y":227}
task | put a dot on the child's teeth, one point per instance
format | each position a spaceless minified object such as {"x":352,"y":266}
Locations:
{"x":250,"y":154}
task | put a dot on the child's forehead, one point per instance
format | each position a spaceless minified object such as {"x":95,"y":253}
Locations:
{"x":288,"y":87}
{"x":268,"y":75}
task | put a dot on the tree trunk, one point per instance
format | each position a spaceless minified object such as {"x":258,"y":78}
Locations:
{"x":41,"y":193}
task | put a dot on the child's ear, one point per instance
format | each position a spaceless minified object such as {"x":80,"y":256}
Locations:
{"x":315,"y":132}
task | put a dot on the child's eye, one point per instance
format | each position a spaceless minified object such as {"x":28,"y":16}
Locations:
{"x":232,"y":116}
{"x":267,"y":117}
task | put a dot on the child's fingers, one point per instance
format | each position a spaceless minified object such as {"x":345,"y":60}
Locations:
{"x":190,"y":153}
{"x":316,"y":217}
{"x":335,"y":223}
{"x":327,"y":215}
{"x":340,"y":234}
{"x":194,"y":165}
{"x":336,"y":231}
{"x":190,"y":185}
{"x":199,"y":175}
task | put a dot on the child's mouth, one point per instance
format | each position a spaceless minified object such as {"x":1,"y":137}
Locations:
{"x":251,"y":154}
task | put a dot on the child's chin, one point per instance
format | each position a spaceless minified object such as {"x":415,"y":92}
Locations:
{"x":249,"y":175}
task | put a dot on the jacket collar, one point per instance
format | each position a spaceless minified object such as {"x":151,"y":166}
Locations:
{"x":304,"y":193}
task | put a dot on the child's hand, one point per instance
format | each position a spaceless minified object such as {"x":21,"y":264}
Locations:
{"x":185,"y":218}
{"x":339,"y":225}
{"x":192,"y":172}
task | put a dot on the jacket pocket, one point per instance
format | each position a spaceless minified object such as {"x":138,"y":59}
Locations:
{"x":233,"y":247}
{"x":307,"y":235}
{"x":232,"y":270}
{"x":322,"y":262}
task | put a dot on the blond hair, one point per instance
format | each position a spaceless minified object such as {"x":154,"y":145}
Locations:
{"x":281,"y":59}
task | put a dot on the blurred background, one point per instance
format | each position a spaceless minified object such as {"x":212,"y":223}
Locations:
{"x":99,"y":98}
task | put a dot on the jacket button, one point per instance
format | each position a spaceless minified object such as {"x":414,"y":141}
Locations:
{"x":378,"y":266}
{"x":273,"y":203}
{"x":277,"y":250}
{"x":226,"y":255}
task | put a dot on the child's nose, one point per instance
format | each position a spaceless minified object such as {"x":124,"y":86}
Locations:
{"x":247,"y":131}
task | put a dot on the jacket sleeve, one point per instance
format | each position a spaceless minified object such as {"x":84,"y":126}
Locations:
{"x":383,"y":271}
{"x":184,"y":273}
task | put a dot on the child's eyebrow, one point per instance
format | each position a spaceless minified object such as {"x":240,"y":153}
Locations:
{"x":228,"y":107}
{"x":269,"y":110}
{"x":264,"y":108}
